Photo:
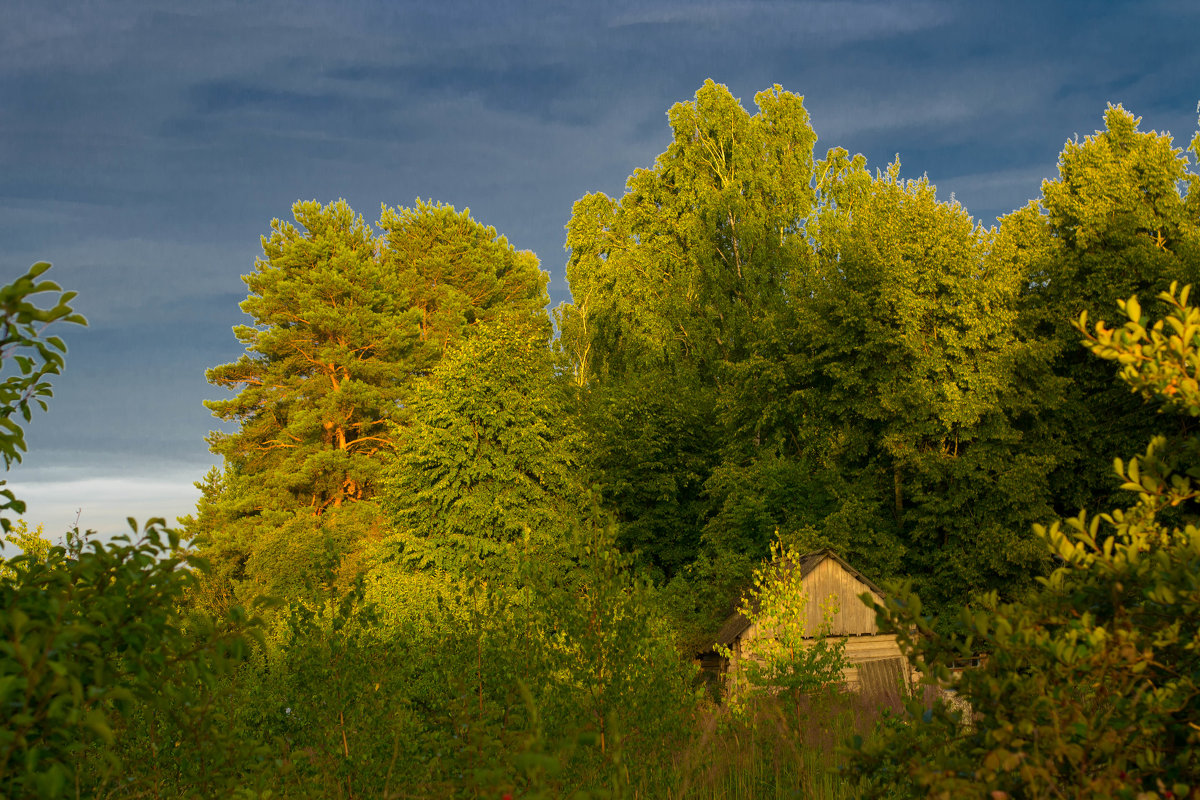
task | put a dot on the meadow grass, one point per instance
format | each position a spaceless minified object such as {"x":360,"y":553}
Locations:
{"x":777,"y":748}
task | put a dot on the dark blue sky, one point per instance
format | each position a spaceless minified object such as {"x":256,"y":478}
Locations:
{"x":145,"y":147}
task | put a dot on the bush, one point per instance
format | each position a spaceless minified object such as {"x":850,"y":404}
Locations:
{"x":93,"y":645}
{"x":1091,"y":686}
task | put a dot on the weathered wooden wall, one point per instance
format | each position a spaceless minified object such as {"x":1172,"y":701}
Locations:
{"x":853,"y":617}
{"x":875,"y":664}
{"x":884,"y":680}
{"x":862,"y":652}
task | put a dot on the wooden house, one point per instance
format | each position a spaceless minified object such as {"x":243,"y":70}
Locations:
{"x":876,"y":665}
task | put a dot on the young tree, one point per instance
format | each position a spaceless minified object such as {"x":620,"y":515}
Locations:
{"x":487,"y":469}
{"x":785,"y":657}
{"x":33,"y":543}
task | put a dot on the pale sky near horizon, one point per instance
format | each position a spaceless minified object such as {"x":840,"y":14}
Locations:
{"x":145,"y":147}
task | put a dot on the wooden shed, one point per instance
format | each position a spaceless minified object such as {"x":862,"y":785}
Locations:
{"x":876,"y":665}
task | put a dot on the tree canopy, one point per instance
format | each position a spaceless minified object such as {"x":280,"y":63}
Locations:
{"x":345,"y":324}
{"x":1121,"y":218}
{"x":487,"y":556}
{"x":487,"y":467}
{"x":1090,"y":685}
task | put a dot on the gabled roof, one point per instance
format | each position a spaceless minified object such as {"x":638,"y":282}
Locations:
{"x":737,"y":623}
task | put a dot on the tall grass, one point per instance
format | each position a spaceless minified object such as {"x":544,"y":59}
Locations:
{"x":776,"y":749}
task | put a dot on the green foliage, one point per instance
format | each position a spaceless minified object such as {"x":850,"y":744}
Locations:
{"x":651,"y":442}
{"x":324,"y":362}
{"x":784,"y":657}
{"x":36,"y":357}
{"x":1091,"y":686}
{"x":487,"y":469}
{"x":910,"y":350}
{"x":770,"y":493}
{"x":672,"y":284}
{"x":1120,"y":219}
{"x":344,"y":324}
{"x":458,"y":273}
{"x":609,"y":658}
{"x":677,"y":270}
{"x":844,"y":350}
{"x":759,"y":343}
{"x":91,"y":638}
{"x":33,"y":543}
{"x":540,"y":690}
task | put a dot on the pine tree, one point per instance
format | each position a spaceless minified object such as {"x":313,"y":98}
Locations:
{"x":345,"y":322}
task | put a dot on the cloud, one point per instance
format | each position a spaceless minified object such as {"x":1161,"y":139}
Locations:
{"x":1000,"y":192}
{"x":145,"y":147}
{"x":102,"y":502}
{"x":824,"y":23}
{"x":142,"y":280}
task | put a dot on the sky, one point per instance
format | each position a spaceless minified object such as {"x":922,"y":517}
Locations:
{"x":145,"y":148}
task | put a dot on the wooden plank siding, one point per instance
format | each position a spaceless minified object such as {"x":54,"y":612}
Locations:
{"x":875,"y":663}
{"x":827,"y":579}
{"x":886,"y":680}
{"x":870,"y":648}
{"x":862,"y":652}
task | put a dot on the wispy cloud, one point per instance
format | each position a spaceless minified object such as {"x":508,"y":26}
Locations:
{"x":826,"y":23}
{"x":138,"y":279}
{"x":1000,"y":191}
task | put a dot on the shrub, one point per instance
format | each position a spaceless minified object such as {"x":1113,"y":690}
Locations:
{"x":1091,"y":687}
{"x":92,"y":643}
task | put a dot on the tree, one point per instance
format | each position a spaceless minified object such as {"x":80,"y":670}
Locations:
{"x":36,"y":358}
{"x":845,"y":344}
{"x":488,"y":467}
{"x":651,"y":442}
{"x":1121,"y":218}
{"x":459,"y":274}
{"x":903,"y":359}
{"x":344,"y":324}
{"x":1090,"y":686}
{"x":671,"y":284}
{"x":878,"y":415}
{"x":324,"y":365}
{"x":676,"y":269}
{"x":786,"y":657}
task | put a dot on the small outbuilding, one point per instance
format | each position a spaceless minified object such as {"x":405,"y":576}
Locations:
{"x":876,"y":666}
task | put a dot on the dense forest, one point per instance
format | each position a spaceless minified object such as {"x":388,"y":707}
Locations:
{"x":465,"y":545}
